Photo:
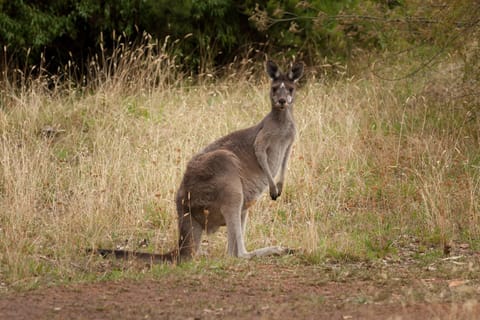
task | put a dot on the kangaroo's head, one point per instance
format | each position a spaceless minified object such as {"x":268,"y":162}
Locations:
{"x":283,"y":84}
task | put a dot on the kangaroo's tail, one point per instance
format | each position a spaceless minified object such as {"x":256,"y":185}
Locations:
{"x":152,"y":258}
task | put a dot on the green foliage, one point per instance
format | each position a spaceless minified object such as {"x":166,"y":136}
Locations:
{"x":211,"y":33}
{"x":304,"y":27}
{"x":73,"y":30}
{"x":210,"y":30}
{"x":25,"y":25}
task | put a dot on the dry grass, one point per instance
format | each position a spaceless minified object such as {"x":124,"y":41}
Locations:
{"x":375,"y":161}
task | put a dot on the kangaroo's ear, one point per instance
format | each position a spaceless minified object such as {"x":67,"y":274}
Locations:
{"x":296,"y":72}
{"x":272,"y":70}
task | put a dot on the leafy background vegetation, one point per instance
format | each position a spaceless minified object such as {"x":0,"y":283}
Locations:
{"x":212,"y":33}
{"x":104,"y":102}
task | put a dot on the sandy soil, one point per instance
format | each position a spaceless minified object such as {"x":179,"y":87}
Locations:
{"x":267,"y":289}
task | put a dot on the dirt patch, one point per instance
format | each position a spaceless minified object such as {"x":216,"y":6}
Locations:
{"x":265,"y":289}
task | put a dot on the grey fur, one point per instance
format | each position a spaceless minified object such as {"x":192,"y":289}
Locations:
{"x":225,"y":178}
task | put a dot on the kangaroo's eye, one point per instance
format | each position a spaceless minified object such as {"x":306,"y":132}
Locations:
{"x":274,"y":89}
{"x":290,"y":90}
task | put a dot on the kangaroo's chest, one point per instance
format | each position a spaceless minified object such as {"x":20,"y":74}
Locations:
{"x":277,"y":150}
{"x":275,"y":156}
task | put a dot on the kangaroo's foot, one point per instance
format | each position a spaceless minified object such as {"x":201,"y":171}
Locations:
{"x":267,"y":251}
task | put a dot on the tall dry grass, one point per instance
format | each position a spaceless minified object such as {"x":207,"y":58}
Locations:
{"x":375,"y":160}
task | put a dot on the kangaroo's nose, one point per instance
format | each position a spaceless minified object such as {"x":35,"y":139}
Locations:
{"x":282,"y":101}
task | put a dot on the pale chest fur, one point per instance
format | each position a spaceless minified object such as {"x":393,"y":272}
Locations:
{"x":276,"y":140}
{"x":277,"y":149}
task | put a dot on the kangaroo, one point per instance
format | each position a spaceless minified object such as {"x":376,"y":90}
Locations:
{"x":224,"y":179}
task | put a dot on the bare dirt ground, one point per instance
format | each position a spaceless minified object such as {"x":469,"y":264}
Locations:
{"x":276,"y":288}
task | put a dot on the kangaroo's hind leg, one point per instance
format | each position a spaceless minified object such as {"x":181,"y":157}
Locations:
{"x":236,"y":219}
{"x":244,"y":219}
{"x":231,"y":208}
{"x":232,"y":212}
{"x":275,"y":250}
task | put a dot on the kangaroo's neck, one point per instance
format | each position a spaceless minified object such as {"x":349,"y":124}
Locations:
{"x":282,"y":115}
